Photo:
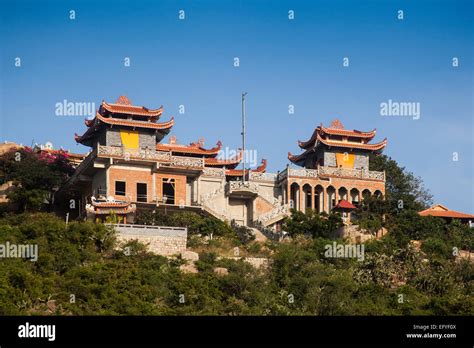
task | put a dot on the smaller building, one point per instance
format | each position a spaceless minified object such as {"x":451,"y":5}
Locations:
{"x":441,"y":211}
{"x":345,"y":208}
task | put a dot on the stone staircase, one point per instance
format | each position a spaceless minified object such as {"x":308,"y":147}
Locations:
{"x":277,"y":212}
{"x":221,"y":215}
{"x":274,"y":215}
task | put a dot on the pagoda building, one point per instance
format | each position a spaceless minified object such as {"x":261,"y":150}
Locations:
{"x":129,"y":168}
{"x":337,"y":147}
{"x":335,"y":167}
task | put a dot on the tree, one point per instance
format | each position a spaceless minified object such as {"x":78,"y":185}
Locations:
{"x":196,"y":224}
{"x":312,"y":223}
{"x":403,"y":190}
{"x":370,"y":214}
{"x":36,"y":176}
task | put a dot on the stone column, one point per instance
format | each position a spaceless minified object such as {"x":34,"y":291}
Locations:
{"x":153,"y":188}
{"x":326,"y":200}
{"x":312,"y":198}
{"x":300,"y":199}
{"x":336,"y":196}
{"x":198,"y":197}
{"x":288,"y":193}
{"x":322,"y":201}
{"x":107,"y":183}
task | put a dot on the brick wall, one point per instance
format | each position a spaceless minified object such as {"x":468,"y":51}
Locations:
{"x":131,"y":177}
{"x":180,"y":186}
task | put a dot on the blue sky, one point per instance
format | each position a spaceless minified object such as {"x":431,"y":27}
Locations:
{"x":282,"y":62}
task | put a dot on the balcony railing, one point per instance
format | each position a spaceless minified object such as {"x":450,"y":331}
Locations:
{"x":165,"y":158}
{"x":263,"y":176}
{"x":277,"y":212}
{"x":215,"y":172}
{"x":307,"y":173}
{"x":142,"y":198}
{"x":335,"y":172}
{"x":118,"y":151}
{"x":241,"y":187}
{"x":179,"y":161}
{"x":351,"y":173}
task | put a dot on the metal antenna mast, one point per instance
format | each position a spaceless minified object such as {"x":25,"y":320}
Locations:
{"x":243,"y":135}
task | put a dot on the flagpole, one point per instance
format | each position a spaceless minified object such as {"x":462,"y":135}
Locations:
{"x":243,"y":135}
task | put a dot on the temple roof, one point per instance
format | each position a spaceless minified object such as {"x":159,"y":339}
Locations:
{"x":136,"y":124}
{"x":196,"y":148}
{"x":442,"y":211}
{"x":338,"y":143}
{"x":336,"y":128}
{"x":227,"y":163}
{"x":336,"y":136}
{"x":95,"y":124}
{"x":124,"y":106}
{"x":353,"y":145}
{"x":110,"y":205}
{"x":239,"y":172}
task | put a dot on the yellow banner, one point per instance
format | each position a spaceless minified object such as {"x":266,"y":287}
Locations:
{"x":129,"y":139}
{"x":345,"y":160}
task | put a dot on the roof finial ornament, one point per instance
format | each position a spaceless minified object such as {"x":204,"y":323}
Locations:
{"x":123,"y":100}
{"x":336,"y":124}
{"x":172,"y":140}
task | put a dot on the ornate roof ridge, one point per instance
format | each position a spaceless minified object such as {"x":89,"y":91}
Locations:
{"x":336,"y":128}
{"x":191,"y":148}
{"x":376,"y":146}
{"x":92,"y":124}
{"x":232,"y":162}
{"x":131,"y":109}
{"x":239,"y":172}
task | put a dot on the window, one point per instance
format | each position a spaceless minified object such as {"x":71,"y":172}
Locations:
{"x":120,"y":188}
{"x":141,"y":193}
{"x":168,"y":190}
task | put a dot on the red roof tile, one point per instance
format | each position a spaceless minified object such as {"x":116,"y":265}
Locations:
{"x":239,"y":172}
{"x":123,"y":106}
{"x":346,"y":144}
{"x":343,"y":204}
{"x":441,"y":211}
{"x":95,"y":122}
{"x":228,"y":163}
{"x":336,"y":128}
{"x":193,"y":148}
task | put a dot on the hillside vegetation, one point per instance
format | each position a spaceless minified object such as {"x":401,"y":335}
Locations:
{"x":82,"y":270}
